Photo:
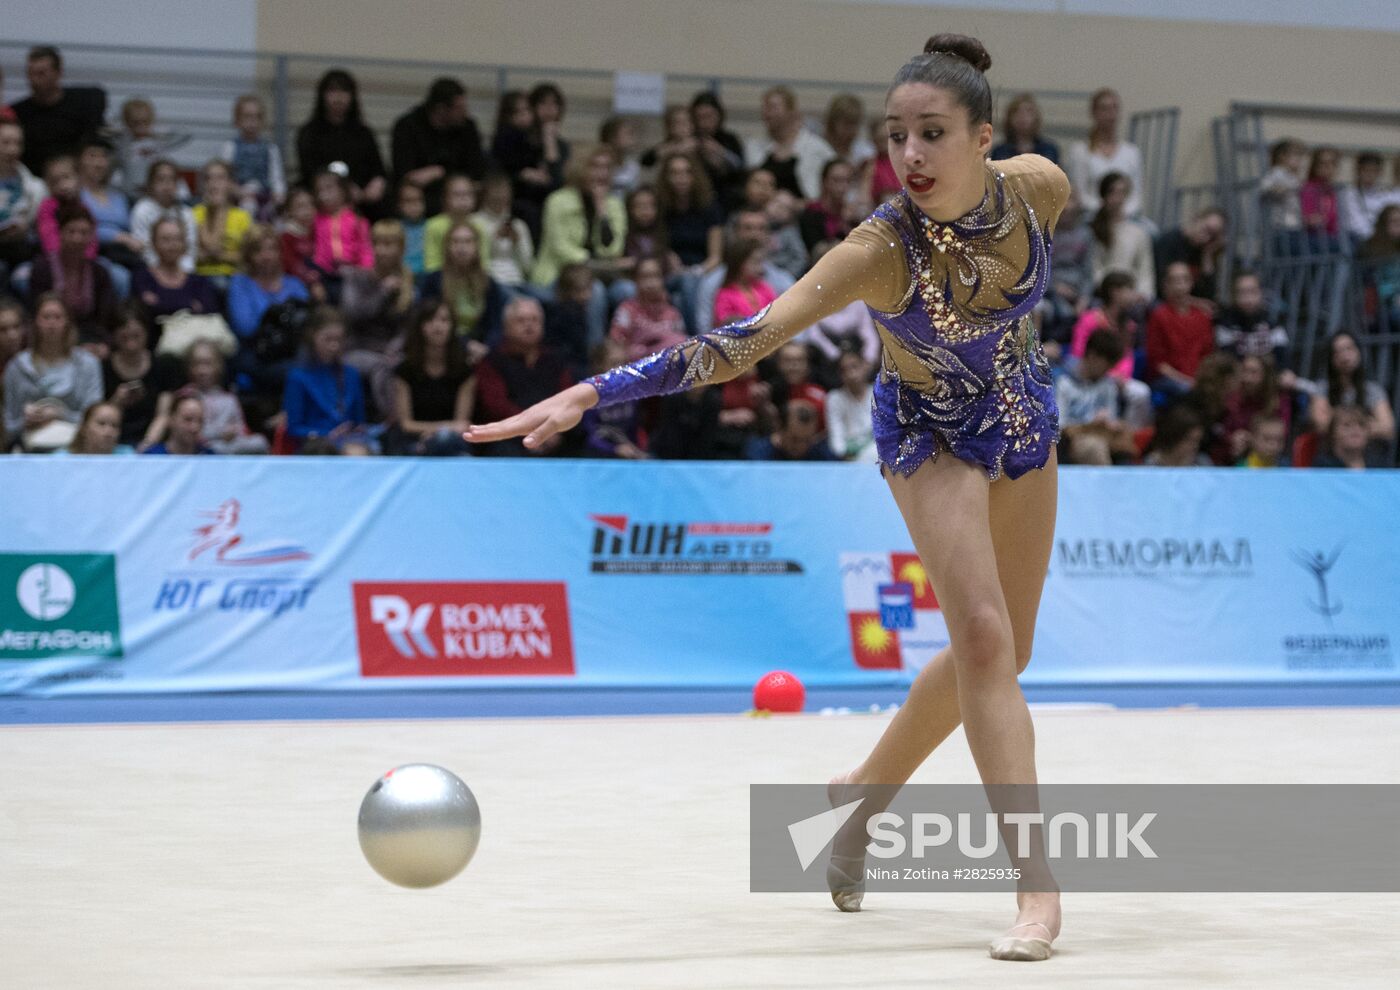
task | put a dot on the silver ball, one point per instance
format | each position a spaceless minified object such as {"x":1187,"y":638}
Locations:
{"x":419,"y":825}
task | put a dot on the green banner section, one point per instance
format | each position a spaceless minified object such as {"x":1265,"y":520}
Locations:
{"x":58,"y":605}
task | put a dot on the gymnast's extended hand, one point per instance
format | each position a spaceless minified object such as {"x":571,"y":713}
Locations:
{"x":541,"y":421}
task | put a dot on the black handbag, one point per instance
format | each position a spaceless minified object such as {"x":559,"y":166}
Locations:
{"x":279,"y":335}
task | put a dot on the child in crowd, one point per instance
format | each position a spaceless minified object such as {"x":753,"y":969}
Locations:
{"x":412,"y":209}
{"x":1117,"y":295}
{"x":619,"y":136}
{"x":612,"y":431}
{"x":744,"y":291}
{"x":1318,"y":198}
{"x":1268,"y":439}
{"x":1280,"y":188}
{"x":786,"y":250}
{"x":458,"y":206}
{"x":162,"y":201}
{"x":324,"y":396}
{"x":61,"y":177}
{"x":1176,"y":440}
{"x":298,"y":241}
{"x":256,"y":160}
{"x":1244,"y":327}
{"x":220,"y":225}
{"x":225,"y":431}
{"x":342,"y":235}
{"x":1179,"y":334}
{"x":566,"y":319}
{"x":1362,"y":200}
{"x":1089,"y":399}
{"x":20,"y":195}
{"x":1347,"y":440}
{"x":646,"y":231}
{"x":139,"y":146}
{"x":508,"y":243}
{"x":647,"y":322}
{"x":849,"y":421}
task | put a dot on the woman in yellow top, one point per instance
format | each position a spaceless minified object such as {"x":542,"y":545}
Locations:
{"x":965,"y":427}
{"x":219,"y":224}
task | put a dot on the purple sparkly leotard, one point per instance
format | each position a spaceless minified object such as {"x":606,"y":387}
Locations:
{"x":962,"y":369}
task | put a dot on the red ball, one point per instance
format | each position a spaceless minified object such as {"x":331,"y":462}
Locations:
{"x":778,"y":691}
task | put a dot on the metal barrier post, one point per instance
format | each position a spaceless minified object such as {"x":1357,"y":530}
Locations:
{"x":281,"y":107}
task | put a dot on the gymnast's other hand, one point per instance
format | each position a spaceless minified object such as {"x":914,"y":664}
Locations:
{"x":557,"y":414}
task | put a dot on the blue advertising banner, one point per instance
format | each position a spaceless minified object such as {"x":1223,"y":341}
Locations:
{"x":221,"y":574}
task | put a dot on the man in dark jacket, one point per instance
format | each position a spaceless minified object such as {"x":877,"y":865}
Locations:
{"x":435,"y":139}
{"x":55,"y":119}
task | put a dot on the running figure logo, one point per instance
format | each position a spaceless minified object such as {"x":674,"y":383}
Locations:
{"x":1319,"y":564}
{"x":222,"y":537}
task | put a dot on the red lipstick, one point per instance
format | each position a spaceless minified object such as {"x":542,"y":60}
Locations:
{"x":919,"y":183}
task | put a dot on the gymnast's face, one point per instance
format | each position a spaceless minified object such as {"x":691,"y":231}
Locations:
{"x":936,"y":151}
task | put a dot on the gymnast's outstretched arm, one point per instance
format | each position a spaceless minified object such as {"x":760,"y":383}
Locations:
{"x":868,"y":265}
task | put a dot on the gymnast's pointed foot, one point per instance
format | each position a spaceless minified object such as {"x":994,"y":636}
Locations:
{"x":845,"y":873}
{"x":1037,"y":926}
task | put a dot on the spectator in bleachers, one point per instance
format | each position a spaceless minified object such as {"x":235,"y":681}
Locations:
{"x":342,"y":235}
{"x":12,"y":334}
{"x":849,"y":330}
{"x":1177,"y":437}
{"x":688,"y":427}
{"x":693,"y":218}
{"x":792,"y":153}
{"x":137,"y":146}
{"x":746,"y":224}
{"x":7,"y":113}
{"x":459,"y":206}
{"x":225,"y":431}
{"x":1117,"y":301}
{"x":1347,"y":384}
{"x":786,"y":249}
{"x":798,"y":439}
{"x":257,"y":161}
{"x":1244,"y":328}
{"x":436,"y":139}
{"x":477,"y":301}
{"x":1021,"y":132}
{"x":1379,"y":265}
{"x":220,"y":224}
{"x":882,"y":180}
{"x":646,"y":233}
{"x":336,"y":132}
{"x":374,"y":302}
{"x":721,"y":151}
{"x":568,"y":321}
{"x":1090,"y":401}
{"x":166,"y":287}
{"x":1179,"y":334}
{"x":794,"y":381}
{"x":1280,"y":187}
{"x":434,"y":388}
{"x":99,"y":432}
{"x":50,"y":384}
{"x":133,"y":379}
{"x":324,"y":395}
{"x":162,"y":202}
{"x":55,"y":118}
{"x":615,"y":430}
{"x":1071,"y":280}
{"x":1318,"y":197}
{"x":20,"y":196}
{"x":744,"y":291}
{"x":61,"y":178}
{"x":1349,"y":441}
{"x":1362,"y":199}
{"x":70,"y":272}
{"x":647,"y":322}
{"x":619,"y":135}
{"x":1104,"y":153}
{"x":184,"y":427}
{"x":1268,"y":443}
{"x":678,"y":137}
{"x":1119,"y":243}
{"x":547,"y":109}
{"x":1217,"y":377}
{"x":298,"y":241}
{"x":826,"y":220}
{"x":412,"y":214}
{"x":261,"y":284}
{"x":1200,"y":243}
{"x":519,"y":372}
{"x":1257,"y":392}
{"x":844,"y":131}
{"x":850,"y":426}
{"x":514,"y":150}
{"x":108,"y":205}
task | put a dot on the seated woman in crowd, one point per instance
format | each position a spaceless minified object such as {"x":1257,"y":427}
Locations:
{"x":99,"y":432}
{"x":1257,"y":392}
{"x":678,"y":138}
{"x":646,"y":233}
{"x":51,"y":383}
{"x":183,"y":427}
{"x":476,"y":300}
{"x":844,"y":123}
{"x":324,"y":395}
{"x":1021,"y":132}
{"x":458,"y":206}
{"x":134,"y":379}
{"x":81,"y":282}
{"x":1090,"y":161}
{"x":509,"y":248}
{"x":1347,"y":384}
{"x":162,"y":202}
{"x":531,"y":177}
{"x":433,"y":386}
{"x":374,"y":304}
{"x":647,"y":322}
{"x":337,"y":132}
{"x":744,"y":291}
{"x":693,"y":219}
{"x":220,"y":226}
{"x":167,"y":287}
{"x":262,"y":284}
{"x":1119,"y":243}
{"x":1349,"y":443}
{"x":110,"y":209}
{"x":827,"y":219}
{"x":225,"y":431}
{"x":720,"y":151}
{"x":342,"y":235}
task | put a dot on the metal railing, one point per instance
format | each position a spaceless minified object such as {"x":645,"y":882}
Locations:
{"x":1154,"y":133}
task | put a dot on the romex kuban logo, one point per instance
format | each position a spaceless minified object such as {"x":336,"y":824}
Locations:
{"x":620,"y":545}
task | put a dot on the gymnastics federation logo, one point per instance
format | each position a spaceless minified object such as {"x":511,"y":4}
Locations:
{"x":221,"y":537}
{"x":1336,"y":649}
{"x":891,"y":610}
{"x":623,"y":546}
{"x":462,"y":629}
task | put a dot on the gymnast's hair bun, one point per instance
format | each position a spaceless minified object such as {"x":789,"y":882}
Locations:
{"x":960,"y":45}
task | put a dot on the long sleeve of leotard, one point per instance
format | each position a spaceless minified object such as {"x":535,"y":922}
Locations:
{"x":868,"y":265}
